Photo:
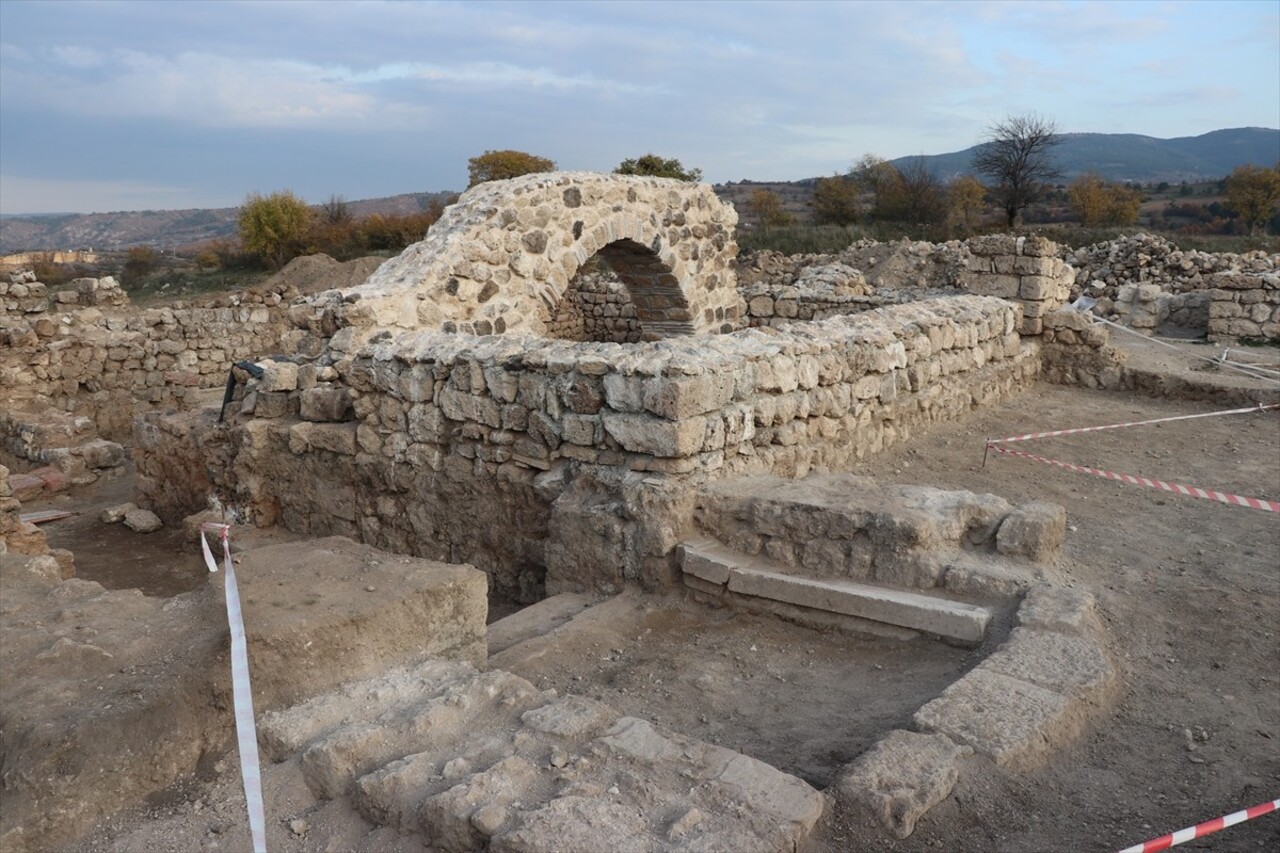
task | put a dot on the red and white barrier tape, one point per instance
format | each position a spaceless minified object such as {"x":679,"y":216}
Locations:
{"x":1029,"y":436}
{"x":241,"y":692}
{"x":1177,"y":488}
{"x":1164,"y":842}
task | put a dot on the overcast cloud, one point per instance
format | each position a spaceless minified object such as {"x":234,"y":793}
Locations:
{"x":130,"y":105}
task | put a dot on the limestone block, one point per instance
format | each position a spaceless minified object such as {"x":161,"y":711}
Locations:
{"x":278,"y":376}
{"x":675,"y":398}
{"x":1003,"y":286}
{"x":900,"y":778}
{"x":142,"y":521}
{"x":1059,"y":608}
{"x":655,"y":436}
{"x":1037,"y":286}
{"x":325,"y":403}
{"x":1072,"y":666}
{"x":1009,"y":720}
{"x":1035,"y":530}
{"x":117,"y":513}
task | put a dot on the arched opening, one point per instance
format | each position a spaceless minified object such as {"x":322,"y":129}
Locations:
{"x":623,"y":294}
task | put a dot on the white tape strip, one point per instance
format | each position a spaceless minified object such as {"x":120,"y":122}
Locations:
{"x":242,"y":694}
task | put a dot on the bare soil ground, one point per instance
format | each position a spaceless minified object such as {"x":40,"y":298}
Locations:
{"x":773,"y":690}
{"x":1189,"y":588}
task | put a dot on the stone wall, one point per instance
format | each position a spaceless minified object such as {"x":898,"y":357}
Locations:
{"x":596,"y":307}
{"x":1076,"y":351}
{"x":106,"y":362}
{"x":1244,"y":307}
{"x":500,"y":259}
{"x":587,"y":453}
{"x":1026,"y":270}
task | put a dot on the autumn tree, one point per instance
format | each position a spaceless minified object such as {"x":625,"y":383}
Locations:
{"x":835,"y":201}
{"x":336,"y":211}
{"x":501,"y":165}
{"x":873,"y":174}
{"x":966,"y":197}
{"x":1098,"y":202}
{"x":657,"y":167}
{"x":766,"y":207}
{"x":274,"y":227}
{"x":1254,"y":194}
{"x":1017,"y":155}
{"x":911,"y":194}
{"x":139,"y":262}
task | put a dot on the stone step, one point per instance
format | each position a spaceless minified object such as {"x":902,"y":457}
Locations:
{"x":715,"y":568}
{"x":333,"y":763}
{"x":536,"y":620}
{"x":500,"y":766}
{"x":515,"y":656}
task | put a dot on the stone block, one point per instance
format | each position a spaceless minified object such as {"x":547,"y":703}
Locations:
{"x":1037,"y":286}
{"x":1059,"y":608}
{"x":1009,"y":720}
{"x":142,"y":521}
{"x":655,"y":436}
{"x":278,"y":376}
{"x":1003,"y":286}
{"x":26,"y":487}
{"x":117,"y":513}
{"x":325,"y":404}
{"x":277,"y":404}
{"x":1034,"y":531}
{"x":900,"y":778}
{"x":1072,"y":666}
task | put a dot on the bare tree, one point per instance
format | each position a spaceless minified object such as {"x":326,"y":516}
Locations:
{"x":1017,"y":156}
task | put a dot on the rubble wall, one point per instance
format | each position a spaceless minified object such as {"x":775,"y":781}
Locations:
{"x":586,"y":455}
{"x":106,"y":362}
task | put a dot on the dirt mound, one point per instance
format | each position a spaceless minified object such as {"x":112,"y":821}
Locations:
{"x":316,"y":273}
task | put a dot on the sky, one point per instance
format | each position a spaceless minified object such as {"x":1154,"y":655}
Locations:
{"x":158,"y":104}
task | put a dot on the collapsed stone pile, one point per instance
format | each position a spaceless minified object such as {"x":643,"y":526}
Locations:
{"x":1150,"y":259}
{"x":903,"y":264}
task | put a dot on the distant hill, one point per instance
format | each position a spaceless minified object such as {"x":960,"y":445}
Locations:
{"x":1116,"y":156}
{"x":165,"y":229}
{"x":1143,"y":159}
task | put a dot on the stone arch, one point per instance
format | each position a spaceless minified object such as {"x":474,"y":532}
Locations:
{"x":501,"y":258}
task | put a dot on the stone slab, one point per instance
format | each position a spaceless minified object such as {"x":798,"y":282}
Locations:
{"x":1009,"y":720}
{"x":536,"y":619}
{"x":706,"y":559}
{"x":1076,"y":667}
{"x":953,"y":619}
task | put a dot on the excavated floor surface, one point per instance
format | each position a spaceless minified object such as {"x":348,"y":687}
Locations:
{"x":1189,"y":589}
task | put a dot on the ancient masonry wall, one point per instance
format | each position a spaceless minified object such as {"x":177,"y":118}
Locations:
{"x":1025,"y":270}
{"x":587,"y":455}
{"x":501,"y":258}
{"x":106,"y":363}
{"x":1244,"y":307}
{"x":596,"y":307}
